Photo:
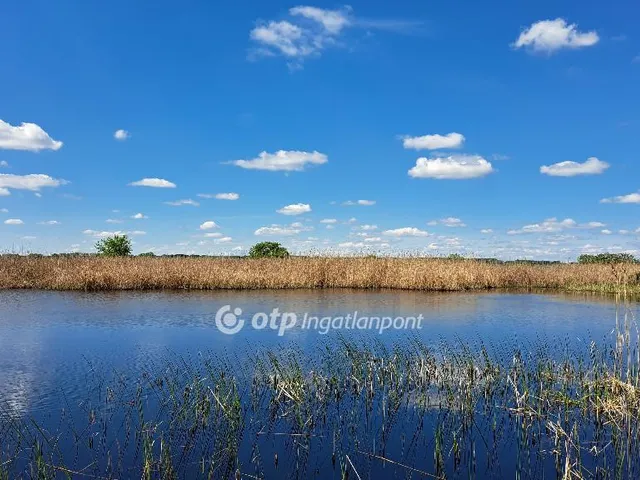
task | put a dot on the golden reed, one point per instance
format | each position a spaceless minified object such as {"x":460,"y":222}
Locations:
{"x":136,"y":273}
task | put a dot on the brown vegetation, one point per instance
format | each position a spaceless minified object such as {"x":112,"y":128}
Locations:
{"x":136,"y":273}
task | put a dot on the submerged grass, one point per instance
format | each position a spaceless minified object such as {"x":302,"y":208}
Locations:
{"x":136,"y":273}
{"x":354,"y":410}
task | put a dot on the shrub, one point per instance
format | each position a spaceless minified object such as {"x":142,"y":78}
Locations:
{"x":147,"y":254}
{"x":115,"y":246}
{"x":268,"y":250}
{"x":607,"y":258}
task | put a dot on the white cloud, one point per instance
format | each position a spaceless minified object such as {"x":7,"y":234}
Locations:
{"x":113,"y":220}
{"x":373,"y":240}
{"x":368,"y":228}
{"x":121,"y":135}
{"x":4,"y":164}
{"x":434,"y":142}
{"x":553,"y":225}
{"x":227,"y":196}
{"x":296,"y":41}
{"x":455,"y":167}
{"x":13,"y":221}
{"x":33,"y":182}
{"x":208,"y":225}
{"x":328,"y":220}
{"x":631,"y":198}
{"x":28,"y":136}
{"x":282,"y":230}
{"x":406,"y":232}
{"x":606,"y":232}
{"x":448,"y":222}
{"x":4,"y":192}
{"x":282,"y":160}
{"x":364,"y":203}
{"x":4,"y":210}
{"x":592,"y":166}
{"x":139,"y":216}
{"x":295,"y":209}
{"x":552,"y":35}
{"x":223,"y":240}
{"x":180,"y":203}
{"x":28,"y":237}
{"x":212,"y":234}
{"x":486,"y":230}
{"x":220,"y":196}
{"x":103,"y":234}
{"x":50,"y":222}
{"x":153,"y":182}
{"x":333,"y":21}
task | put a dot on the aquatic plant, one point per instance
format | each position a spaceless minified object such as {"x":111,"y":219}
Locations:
{"x":353,"y":409}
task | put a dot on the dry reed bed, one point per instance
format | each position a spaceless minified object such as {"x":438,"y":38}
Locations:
{"x":135,"y":273}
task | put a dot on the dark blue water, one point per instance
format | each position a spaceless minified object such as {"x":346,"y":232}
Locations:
{"x":48,"y":340}
{"x":55,"y":347}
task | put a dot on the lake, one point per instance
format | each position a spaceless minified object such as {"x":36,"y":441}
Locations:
{"x":55,"y":347}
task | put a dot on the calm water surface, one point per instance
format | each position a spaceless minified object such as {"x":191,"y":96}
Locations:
{"x":50,"y":340}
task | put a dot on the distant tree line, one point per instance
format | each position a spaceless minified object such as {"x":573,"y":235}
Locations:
{"x":607,"y":258}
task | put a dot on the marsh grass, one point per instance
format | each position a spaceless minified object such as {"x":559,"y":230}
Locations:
{"x":142,"y":273}
{"x":352,"y":410}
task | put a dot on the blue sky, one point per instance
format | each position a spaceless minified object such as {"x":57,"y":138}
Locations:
{"x":444,"y":125}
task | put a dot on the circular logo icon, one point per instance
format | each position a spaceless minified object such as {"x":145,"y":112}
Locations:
{"x":227,"y":321}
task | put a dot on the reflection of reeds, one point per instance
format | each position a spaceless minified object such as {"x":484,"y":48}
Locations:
{"x":576,"y":412}
{"x":95,"y":273}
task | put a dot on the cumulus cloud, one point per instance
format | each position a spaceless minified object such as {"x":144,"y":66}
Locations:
{"x":318,"y":29}
{"x":606,"y":232}
{"x":630,"y":198}
{"x":223,"y":240}
{"x":28,"y":136}
{"x":448,"y":222}
{"x":50,"y":222}
{"x":553,"y":225}
{"x":139,"y":216}
{"x":486,"y":230}
{"x":212,"y":234}
{"x":310,"y":30}
{"x":329,"y":220}
{"x":103,"y":233}
{"x":33,"y":182}
{"x":364,"y":203}
{"x":4,"y":192}
{"x":282,"y":230}
{"x":592,"y":166}
{"x":227,"y":196}
{"x":282,"y":160}
{"x":433,"y":142}
{"x":220,"y":196}
{"x":455,"y":167}
{"x":406,"y":232}
{"x":13,"y":221}
{"x":295,"y":209}
{"x":208,"y":225}
{"x":153,"y":182}
{"x":4,"y":164}
{"x":367,"y":228}
{"x":180,"y":203}
{"x":121,"y":135}
{"x":4,"y":210}
{"x":552,"y":35}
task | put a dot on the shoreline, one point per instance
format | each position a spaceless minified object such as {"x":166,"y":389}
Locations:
{"x":363,"y":273}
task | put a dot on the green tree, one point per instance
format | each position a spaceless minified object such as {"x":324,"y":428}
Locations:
{"x":607,"y":258}
{"x":268,"y":250}
{"x":114,"y":246}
